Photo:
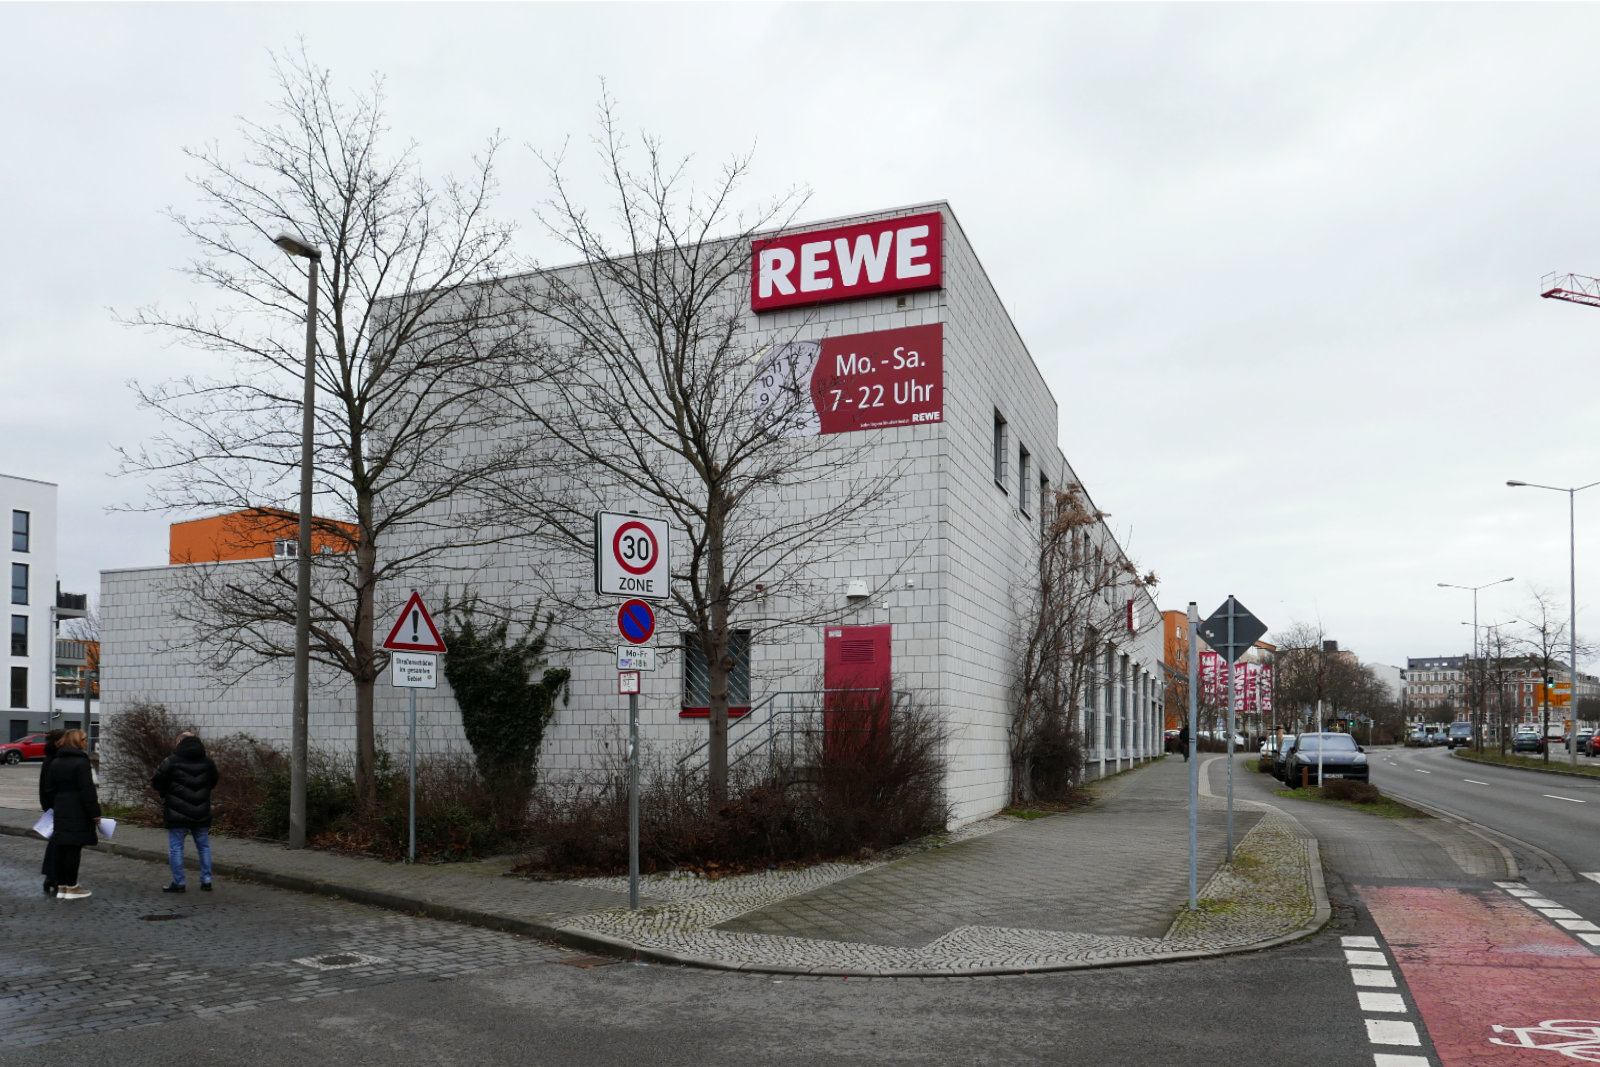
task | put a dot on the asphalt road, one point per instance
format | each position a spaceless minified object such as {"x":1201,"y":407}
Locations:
{"x":1558,"y":814}
{"x":254,"y":975}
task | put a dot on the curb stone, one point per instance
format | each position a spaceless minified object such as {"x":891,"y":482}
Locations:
{"x":601,"y":943}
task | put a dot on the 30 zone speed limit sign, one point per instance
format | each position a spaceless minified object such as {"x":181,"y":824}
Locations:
{"x":632,"y":556}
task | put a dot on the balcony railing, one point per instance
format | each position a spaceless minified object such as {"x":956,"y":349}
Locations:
{"x":71,"y":605}
{"x":71,"y":653}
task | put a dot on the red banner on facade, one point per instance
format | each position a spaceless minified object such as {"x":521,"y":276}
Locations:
{"x":847,"y":262}
{"x":862,"y":381}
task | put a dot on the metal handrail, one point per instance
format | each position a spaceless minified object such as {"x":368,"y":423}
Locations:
{"x":751,"y":726}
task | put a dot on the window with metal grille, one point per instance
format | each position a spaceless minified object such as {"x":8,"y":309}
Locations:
{"x":697,"y":681}
{"x":19,"y":531}
{"x":1024,"y":476}
{"x":19,"y":635}
{"x":1002,"y":444}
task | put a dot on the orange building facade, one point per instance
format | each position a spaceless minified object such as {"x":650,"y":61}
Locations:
{"x":256,"y":533}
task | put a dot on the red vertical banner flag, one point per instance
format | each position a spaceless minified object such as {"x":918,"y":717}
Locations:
{"x":1266,"y":689}
{"x":1210,"y":672}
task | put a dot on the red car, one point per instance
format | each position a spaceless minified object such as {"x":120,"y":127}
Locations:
{"x":30,"y":747}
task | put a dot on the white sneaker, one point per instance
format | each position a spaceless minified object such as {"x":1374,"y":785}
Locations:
{"x":72,"y":892}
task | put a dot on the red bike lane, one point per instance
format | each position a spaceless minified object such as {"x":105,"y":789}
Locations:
{"x":1494,"y":982}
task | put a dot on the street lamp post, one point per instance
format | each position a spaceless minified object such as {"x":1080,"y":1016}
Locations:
{"x":1473,"y":589}
{"x":302,"y":586}
{"x":1572,"y":593}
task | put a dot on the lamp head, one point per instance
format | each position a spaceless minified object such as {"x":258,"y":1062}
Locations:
{"x":296,"y":247}
{"x":1515,"y":484}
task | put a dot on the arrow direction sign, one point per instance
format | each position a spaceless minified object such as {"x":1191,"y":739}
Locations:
{"x":1232,"y":644}
{"x":414,"y":630}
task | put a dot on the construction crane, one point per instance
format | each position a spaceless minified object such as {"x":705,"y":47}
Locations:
{"x":1571,"y":287}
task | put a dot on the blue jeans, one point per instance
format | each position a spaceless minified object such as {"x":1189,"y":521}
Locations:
{"x":202,"y":845}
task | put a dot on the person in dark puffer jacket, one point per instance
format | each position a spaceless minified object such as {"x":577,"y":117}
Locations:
{"x":185,"y":780}
{"x":48,"y":869}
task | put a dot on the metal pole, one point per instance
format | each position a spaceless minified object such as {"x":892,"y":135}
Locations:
{"x":633,"y":801}
{"x":1194,"y":762}
{"x":1477,"y":667}
{"x":412,"y":852}
{"x":1231,"y":608}
{"x":302,"y":605}
{"x":1572,"y":625}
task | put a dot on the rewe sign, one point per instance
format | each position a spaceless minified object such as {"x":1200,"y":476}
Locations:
{"x":847,"y":262}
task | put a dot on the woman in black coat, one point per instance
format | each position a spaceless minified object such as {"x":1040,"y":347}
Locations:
{"x":68,"y":787}
{"x":48,"y":869}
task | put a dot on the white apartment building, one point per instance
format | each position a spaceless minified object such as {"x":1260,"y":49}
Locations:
{"x":36,"y":604}
{"x":976,"y":429}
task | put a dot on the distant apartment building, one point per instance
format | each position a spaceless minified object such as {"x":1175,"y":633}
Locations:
{"x":37,"y":608}
{"x":255,"y":533}
{"x":1438,"y":689}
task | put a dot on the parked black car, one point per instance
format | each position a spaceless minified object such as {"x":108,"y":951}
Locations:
{"x":1280,"y":758}
{"x":1340,"y":757}
{"x":1527,"y":742}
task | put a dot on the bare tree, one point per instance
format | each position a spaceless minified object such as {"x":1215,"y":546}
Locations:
{"x":653,"y":368}
{"x":1545,"y":643}
{"x":405,"y":364}
{"x":1075,"y":599}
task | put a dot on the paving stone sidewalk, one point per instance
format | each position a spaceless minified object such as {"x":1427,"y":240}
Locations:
{"x":1102,"y":886}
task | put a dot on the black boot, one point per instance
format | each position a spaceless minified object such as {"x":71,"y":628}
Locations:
{"x":173,"y":888}
{"x":49,"y":888}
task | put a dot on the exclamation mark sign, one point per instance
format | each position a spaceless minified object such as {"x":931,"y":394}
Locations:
{"x":415,"y":616}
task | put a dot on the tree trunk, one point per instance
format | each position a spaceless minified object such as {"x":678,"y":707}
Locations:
{"x":366,"y":672}
{"x":718,"y":663}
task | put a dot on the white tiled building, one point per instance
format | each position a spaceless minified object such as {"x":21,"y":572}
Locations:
{"x":947,"y":554}
{"x":36,"y":604}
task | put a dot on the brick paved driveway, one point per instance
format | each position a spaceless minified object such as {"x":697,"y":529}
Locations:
{"x":1132,"y":849}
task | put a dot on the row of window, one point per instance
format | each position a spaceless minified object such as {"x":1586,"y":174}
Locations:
{"x":19,"y":531}
{"x":1002,"y":467}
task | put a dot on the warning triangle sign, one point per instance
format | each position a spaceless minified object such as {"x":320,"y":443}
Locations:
{"x":414,"y":630}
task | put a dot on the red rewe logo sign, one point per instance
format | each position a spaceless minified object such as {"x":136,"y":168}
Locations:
{"x":847,"y":262}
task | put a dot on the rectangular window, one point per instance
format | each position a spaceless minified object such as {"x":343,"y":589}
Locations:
{"x":1002,"y":445}
{"x":19,"y":583}
{"x":284,"y":548}
{"x":19,"y":531}
{"x":19,"y":687}
{"x":697,"y":681}
{"x":1045,"y":503}
{"x":1024,"y":477}
{"x":19,"y":635}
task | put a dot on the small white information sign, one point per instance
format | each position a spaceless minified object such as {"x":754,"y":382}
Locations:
{"x":627,"y":682}
{"x":636,"y":657}
{"x":414,"y":670}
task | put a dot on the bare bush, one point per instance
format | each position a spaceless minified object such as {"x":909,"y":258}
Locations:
{"x":831,"y":800}
{"x":1352,"y":791}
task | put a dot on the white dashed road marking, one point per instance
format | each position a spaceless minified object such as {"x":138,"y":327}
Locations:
{"x":1474,"y":781}
{"x":1419,"y":770}
{"x":1369,"y":967}
{"x":1593,"y":876}
{"x":1560,"y":914}
{"x":1569,"y":800}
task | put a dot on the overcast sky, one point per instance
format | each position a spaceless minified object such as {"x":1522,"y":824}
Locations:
{"x":1279,"y":264}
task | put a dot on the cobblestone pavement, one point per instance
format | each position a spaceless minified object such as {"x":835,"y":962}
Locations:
{"x":1090,"y":888}
{"x":129,"y":956}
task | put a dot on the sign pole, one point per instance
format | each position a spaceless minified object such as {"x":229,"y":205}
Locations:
{"x":1231,"y":650}
{"x":633,"y":801}
{"x":1194,"y":762}
{"x":412,"y":849}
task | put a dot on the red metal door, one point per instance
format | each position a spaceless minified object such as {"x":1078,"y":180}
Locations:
{"x":856,"y":671}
